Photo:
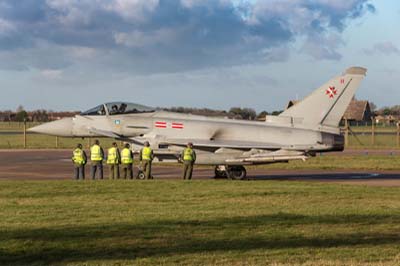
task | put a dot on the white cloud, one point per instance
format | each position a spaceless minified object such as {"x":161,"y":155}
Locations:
{"x":174,"y":35}
{"x":140,"y":39}
{"x":195,"y":3}
{"x":324,"y":46}
{"x":276,"y":54}
{"x":61,"y":4}
{"x":337,"y":4}
{"x":51,"y":73}
{"x":79,"y":52}
{"x":6,"y":26}
{"x":385,"y":48}
{"x":73,"y":12}
{"x":132,"y":10}
{"x":190,"y":3}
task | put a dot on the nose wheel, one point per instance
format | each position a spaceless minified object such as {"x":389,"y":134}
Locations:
{"x":142,"y":176}
{"x":220,"y":171}
{"x":235,"y":172}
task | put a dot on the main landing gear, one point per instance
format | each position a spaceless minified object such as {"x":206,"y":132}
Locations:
{"x":236,"y":172}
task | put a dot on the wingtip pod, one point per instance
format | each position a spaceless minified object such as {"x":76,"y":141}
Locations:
{"x":356,"y":71}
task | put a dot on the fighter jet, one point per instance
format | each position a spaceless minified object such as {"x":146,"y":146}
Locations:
{"x":309,"y":127}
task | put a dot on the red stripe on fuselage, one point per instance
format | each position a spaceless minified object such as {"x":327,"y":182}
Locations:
{"x":177,"y":125}
{"x":161,"y":124}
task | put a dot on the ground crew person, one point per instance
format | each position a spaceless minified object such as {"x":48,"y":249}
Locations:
{"x":188,"y":157}
{"x":127,"y":162}
{"x":79,"y":159}
{"x":146,"y":157}
{"x":96,"y":158}
{"x":113,"y":160}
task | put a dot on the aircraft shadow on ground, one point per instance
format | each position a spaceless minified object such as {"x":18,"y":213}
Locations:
{"x":336,"y":176}
{"x":50,"y":246}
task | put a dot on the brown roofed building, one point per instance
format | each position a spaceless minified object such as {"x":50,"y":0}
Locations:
{"x":6,"y":116}
{"x":291,"y":103}
{"x":359,"y":111}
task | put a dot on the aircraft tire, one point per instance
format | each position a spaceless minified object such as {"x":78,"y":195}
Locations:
{"x":141,"y":175}
{"x":220,"y":173}
{"x":237,"y":172}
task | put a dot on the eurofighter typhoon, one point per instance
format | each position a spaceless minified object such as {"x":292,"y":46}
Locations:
{"x":301,"y":131}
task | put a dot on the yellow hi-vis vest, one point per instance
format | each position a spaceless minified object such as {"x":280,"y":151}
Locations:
{"x":146,"y":153}
{"x":126,"y":156}
{"x":112,"y":156}
{"x":188,"y":154}
{"x":95,"y":153}
{"x":78,"y":156}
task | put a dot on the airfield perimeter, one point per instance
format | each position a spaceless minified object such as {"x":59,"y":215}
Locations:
{"x":56,"y":165}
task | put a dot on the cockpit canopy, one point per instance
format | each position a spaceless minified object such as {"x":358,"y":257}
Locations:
{"x":118,"y":108}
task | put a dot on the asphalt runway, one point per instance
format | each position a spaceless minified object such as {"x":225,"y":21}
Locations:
{"x":56,"y":165}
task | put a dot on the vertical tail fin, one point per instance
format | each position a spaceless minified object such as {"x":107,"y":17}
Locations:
{"x":326,"y":105}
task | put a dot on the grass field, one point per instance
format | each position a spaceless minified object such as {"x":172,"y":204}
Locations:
{"x":16,"y":125}
{"x":36,"y":141}
{"x":381,"y":139}
{"x":197,"y":223}
{"x":382,"y":128}
{"x":342,"y":162}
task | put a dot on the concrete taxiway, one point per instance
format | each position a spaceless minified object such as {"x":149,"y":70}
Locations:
{"x":56,"y":165}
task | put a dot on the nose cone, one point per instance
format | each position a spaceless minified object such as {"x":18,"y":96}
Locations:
{"x":62,"y":127}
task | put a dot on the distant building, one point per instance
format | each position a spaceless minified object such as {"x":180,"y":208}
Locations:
{"x":358,"y":111}
{"x":387,"y":119}
{"x":60,"y":115}
{"x":291,"y":103}
{"x":6,"y":116}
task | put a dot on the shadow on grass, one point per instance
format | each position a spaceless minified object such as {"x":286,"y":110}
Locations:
{"x":325,"y":176}
{"x":50,"y":246}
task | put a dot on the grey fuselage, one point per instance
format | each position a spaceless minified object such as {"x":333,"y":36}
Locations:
{"x":143,"y":125}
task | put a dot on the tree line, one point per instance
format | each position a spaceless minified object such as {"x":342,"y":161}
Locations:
{"x":41,"y":115}
{"x":234,"y":112}
{"x":386,"y":110}
{"x":389,"y":110}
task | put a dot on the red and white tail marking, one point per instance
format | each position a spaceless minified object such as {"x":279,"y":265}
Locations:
{"x":331,"y":92}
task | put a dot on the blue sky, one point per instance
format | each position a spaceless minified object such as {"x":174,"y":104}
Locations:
{"x":74,"y":54}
